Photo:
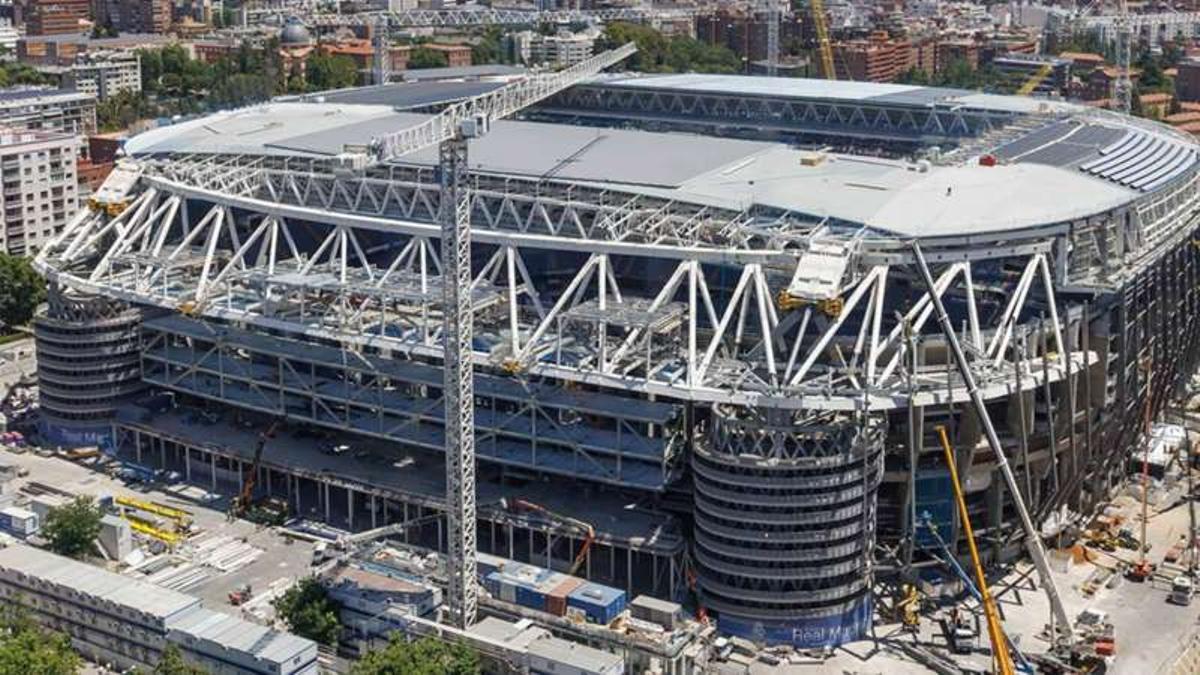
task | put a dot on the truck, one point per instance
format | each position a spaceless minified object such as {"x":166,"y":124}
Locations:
{"x":1182,"y":590}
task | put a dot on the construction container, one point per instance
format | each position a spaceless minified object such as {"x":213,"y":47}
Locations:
{"x":661,"y":612}
{"x":556,"y":599}
{"x":531,"y":597}
{"x":19,"y":521}
{"x":486,"y":564}
{"x":601,"y":604}
{"x":501,"y":587}
{"x":42,"y":504}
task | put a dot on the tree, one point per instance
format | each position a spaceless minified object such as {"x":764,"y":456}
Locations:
{"x":659,"y":54}
{"x":490,"y":48}
{"x":25,"y":647}
{"x":424,"y":57}
{"x":22,"y":289}
{"x":171,"y":663}
{"x":326,"y":71}
{"x":426,"y":656}
{"x":309,"y":611}
{"x":73,"y":527}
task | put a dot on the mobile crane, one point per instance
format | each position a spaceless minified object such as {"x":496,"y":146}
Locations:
{"x":1062,"y":635}
{"x":241,"y":502}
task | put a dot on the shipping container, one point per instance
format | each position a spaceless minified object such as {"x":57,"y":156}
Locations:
{"x":486,"y":564}
{"x":19,"y":521}
{"x":601,"y":603}
{"x":528,"y":596}
{"x":556,"y":599}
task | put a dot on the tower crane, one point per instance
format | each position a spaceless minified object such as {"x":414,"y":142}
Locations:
{"x":1033,"y":538}
{"x":450,"y":130}
{"x":774,"y":16}
{"x":824,"y":47}
{"x":1123,"y":88}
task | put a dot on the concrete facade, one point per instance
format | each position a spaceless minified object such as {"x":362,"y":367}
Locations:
{"x":37,"y":171}
{"x":116,"y":620}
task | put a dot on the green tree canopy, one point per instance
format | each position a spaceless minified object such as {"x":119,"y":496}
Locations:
{"x":426,"y":656}
{"x":330,"y":72}
{"x":309,"y":611}
{"x":171,"y":663}
{"x":424,"y":57}
{"x":25,"y":647}
{"x":660,"y":54}
{"x":73,"y":527}
{"x":22,"y":289}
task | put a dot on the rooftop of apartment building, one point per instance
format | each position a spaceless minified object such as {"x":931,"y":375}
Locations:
{"x":123,"y":41}
{"x":15,"y":96}
{"x":15,"y":137}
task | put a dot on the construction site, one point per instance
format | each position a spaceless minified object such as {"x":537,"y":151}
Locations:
{"x":699,"y":371}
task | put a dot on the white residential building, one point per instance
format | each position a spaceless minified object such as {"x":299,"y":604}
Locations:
{"x":104,"y":75}
{"x":562,"y":49}
{"x":38,"y":187}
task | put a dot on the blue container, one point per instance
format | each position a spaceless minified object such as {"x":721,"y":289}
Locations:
{"x":600,"y":603}
{"x":486,"y":564}
{"x":492,"y":583}
{"x":530,"y":597}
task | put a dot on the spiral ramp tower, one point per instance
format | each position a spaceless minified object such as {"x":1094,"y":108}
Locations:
{"x":785,"y":523}
{"x":88,"y":364}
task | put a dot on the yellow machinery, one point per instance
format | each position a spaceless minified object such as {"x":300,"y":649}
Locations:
{"x":147,"y":528}
{"x":1036,"y":79}
{"x":1004,"y":662}
{"x":824,"y":47}
{"x":181,"y":518}
{"x":832,"y":307}
{"x":908,"y":607}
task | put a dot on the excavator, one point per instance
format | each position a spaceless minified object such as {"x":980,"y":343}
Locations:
{"x":239,"y":505}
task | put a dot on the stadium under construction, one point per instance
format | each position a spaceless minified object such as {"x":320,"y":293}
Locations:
{"x":700,"y":324}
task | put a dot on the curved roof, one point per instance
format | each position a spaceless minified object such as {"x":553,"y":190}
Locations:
{"x":1051,"y":167}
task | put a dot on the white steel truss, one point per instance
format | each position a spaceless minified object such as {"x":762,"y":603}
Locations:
{"x":715,"y":329}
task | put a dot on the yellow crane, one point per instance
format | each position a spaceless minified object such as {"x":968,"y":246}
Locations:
{"x":1036,"y":79}
{"x":1004,"y":661}
{"x":824,"y":47}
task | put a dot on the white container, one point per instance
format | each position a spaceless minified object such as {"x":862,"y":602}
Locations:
{"x":19,"y":521}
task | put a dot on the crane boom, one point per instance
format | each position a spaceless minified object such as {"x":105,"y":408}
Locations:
{"x":1033,"y":538}
{"x":482,"y":111}
{"x":1000,"y":652}
{"x":817,"y":7}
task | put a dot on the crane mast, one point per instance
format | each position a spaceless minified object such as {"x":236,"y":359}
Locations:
{"x":774,"y":16}
{"x":1123,"y":89}
{"x":451,"y":130}
{"x":459,"y":387}
{"x":824,"y":47}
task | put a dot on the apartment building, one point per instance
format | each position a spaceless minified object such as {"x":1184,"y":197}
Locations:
{"x":44,"y":108}
{"x":877,"y":58}
{"x":56,"y":17}
{"x":105,"y":75}
{"x":38,"y":188}
{"x":117,"y":620}
{"x":1049,"y":75}
{"x":561,"y":49}
{"x":64,"y":50}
